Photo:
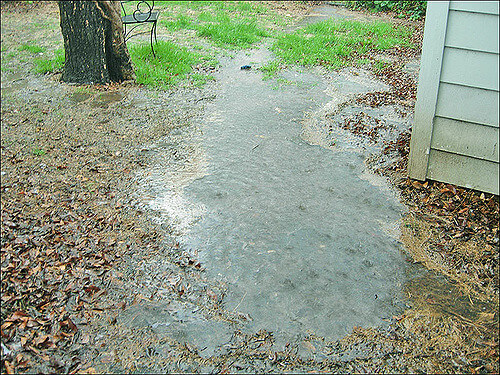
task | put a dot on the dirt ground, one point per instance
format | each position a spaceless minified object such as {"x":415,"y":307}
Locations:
{"x":72,"y":232}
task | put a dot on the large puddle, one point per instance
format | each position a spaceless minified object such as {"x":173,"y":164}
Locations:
{"x":293,"y":228}
{"x":301,"y":234}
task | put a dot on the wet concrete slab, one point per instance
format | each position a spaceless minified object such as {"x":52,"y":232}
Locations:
{"x":304,"y":236}
{"x":292,"y":227}
{"x":296,"y":230}
{"x":182,"y":322}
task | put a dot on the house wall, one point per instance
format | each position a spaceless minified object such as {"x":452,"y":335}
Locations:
{"x":456,"y":124}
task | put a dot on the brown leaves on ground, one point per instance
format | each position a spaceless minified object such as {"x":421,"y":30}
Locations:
{"x":50,"y":263}
{"x":454,"y":231}
{"x":364,"y":125}
{"x":462,"y":219}
{"x":403,"y":88}
{"x":460,"y":212}
{"x":449,"y":229}
{"x":62,"y":227}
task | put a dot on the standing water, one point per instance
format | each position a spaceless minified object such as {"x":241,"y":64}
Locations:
{"x":296,"y":230}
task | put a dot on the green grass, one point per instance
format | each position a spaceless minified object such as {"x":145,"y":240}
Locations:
{"x":249,"y":8}
{"x":236,"y":25}
{"x":85,"y":90}
{"x":38,"y":152}
{"x":228,"y":24}
{"x":272,"y":68}
{"x":199,"y":80}
{"x":362,"y":61}
{"x":172,"y":64}
{"x":32,"y":48}
{"x":380,"y":65}
{"x":50,"y":64}
{"x":180,"y":22}
{"x":234,"y":32}
{"x":11,"y":55}
{"x":333,"y":44}
{"x":230,"y":33}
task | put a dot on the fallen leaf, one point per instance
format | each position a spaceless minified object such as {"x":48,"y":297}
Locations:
{"x":90,"y":370}
{"x":17,"y":315}
{"x":8,"y":367}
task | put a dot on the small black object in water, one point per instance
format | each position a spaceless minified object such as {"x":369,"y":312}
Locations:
{"x":246,"y":67}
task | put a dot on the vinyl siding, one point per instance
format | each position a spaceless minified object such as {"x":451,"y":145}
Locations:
{"x":459,"y":143}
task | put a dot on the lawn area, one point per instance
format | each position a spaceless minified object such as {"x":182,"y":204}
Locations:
{"x":192,"y":34}
{"x":334,"y":43}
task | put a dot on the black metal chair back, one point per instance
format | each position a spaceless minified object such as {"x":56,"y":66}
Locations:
{"x":143,"y":13}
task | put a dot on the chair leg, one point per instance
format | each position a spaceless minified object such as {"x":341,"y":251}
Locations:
{"x":153,"y":30}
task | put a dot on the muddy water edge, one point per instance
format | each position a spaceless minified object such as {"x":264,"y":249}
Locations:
{"x":157,"y":309}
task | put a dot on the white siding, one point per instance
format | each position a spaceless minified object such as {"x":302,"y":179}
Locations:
{"x":456,"y":129}
{"x":475,"y":31}
{"x":470,"y":68}
{"x":488,"y":7}
{"x":465,"y":138}
{"x":461,"y":170}
{"x":467,"y":104}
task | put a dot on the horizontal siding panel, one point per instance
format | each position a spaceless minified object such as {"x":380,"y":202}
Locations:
{"x":465,"y":138}
{"x":468,"y":104}
{"x":490,"y":7}
{"x":471,"y":68}
{"x":463,"y":171}
{"x":474,"y":31}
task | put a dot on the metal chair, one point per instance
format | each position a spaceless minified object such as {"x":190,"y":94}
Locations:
{"x":143,"y":13}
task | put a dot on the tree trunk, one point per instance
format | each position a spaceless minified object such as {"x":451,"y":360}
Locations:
{"x":94,"y":42}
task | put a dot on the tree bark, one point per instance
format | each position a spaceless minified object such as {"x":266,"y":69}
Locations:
{"x":94,"y":42}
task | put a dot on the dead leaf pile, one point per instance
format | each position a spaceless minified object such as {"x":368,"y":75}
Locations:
{"x":460,"y":212}
{"x":403,"y":89}
{"x":364,"y":125}
{"x":53,"y":261}
{"x":62,"y":227}
{"x":450,"y":229}
{"x":459,"y":216}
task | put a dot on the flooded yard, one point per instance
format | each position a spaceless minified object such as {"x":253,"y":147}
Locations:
{"x":302,"y":238}
{"x":238,"y":227}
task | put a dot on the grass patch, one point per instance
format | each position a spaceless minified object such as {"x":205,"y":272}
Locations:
{"x":50,"y":65}
{"x":180,"y":22}
{"x":11,"y":55}
{"x":231,"y":25}
{"x":32,"y":48}
{"x":272,"y":68}
{"x":362,"y":61}
{"x":334,"y":43}
{"x":172,"y":64}
{"x":199,"y":80}
{"x":38,"y":152}
{"x":250,"y":8}
{"x":380,"y":65}
{"x":233,"y":34}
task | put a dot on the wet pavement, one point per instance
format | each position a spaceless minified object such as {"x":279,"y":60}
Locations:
{"x":293,"y":228}
{"x":302,"y":234}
